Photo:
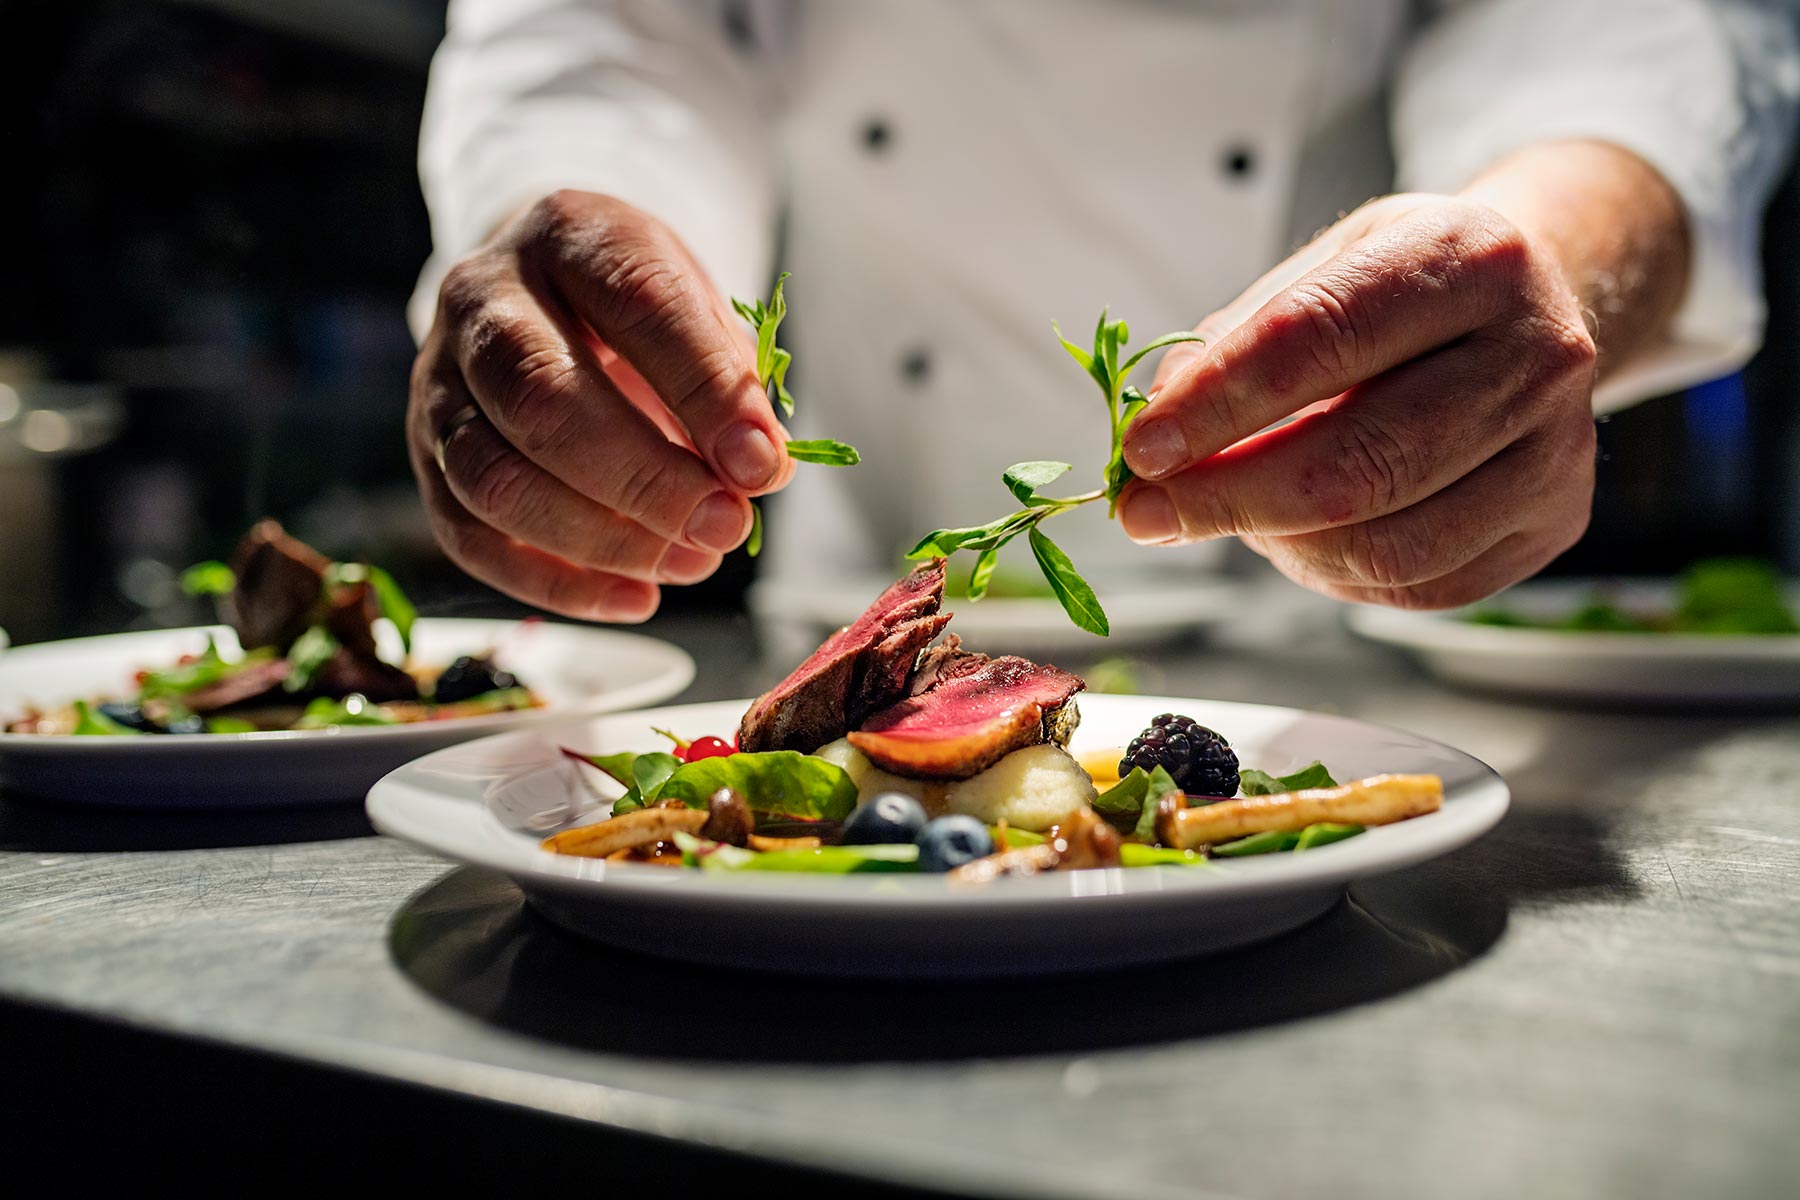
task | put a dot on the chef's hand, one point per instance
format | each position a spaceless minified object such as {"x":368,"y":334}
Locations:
{"x":1436,"y":362}
{"x":585,"y":421}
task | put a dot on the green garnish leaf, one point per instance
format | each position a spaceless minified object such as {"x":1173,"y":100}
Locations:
{"x":753,"y":543}
{"x":208,"y":579}
{"x":353,"y":709}
{"x":1257,"y":843}
{"x":1161,"y":784}
{"x":310,"y":651}
{"x":1124,"y":799}
{"x":1151,"y":347}
{"x":773,"y":783}
{"x":90,"y":722}
{"x":825,"y":452}
{"x":1261,"y":783}
{"x":1078,"y":599}
{"x":617,"y":766}
{"x":983,"y":572}
{"x":1123,"y":404}
{"x":229,"y":725}
{"x":205,"y":670}
{"x":1016,"y":837}
{"x":1135,"y":854}
{"x":1324,"y":834}
{"x":392,"y":602}
{"x":649,"y":772}
{"x":1024,"y":479}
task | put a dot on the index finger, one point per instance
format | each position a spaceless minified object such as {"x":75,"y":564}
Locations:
{"x":636,"y":286}
{"x":1384,"y":300}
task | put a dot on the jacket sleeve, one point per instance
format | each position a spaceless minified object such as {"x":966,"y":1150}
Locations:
{"x":1702,"y":90}
{"x":648,"y":102}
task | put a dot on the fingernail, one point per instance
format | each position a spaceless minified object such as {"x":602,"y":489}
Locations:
{"x":1156,"y":448}
{"x":1149,"y":516}
{"x":718,"y":522}
{"x":748,"y":456}
{"x":684,"y":564}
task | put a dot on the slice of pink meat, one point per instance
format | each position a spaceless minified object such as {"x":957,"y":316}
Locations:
{"x":971,"y":720}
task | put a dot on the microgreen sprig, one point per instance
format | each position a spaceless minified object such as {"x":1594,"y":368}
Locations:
{"x":772,"y":364}
{"x":1123,"y":404}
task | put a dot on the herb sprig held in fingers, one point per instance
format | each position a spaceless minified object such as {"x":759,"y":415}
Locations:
{"x":772,"y":364}
{"x":1123,"y":403}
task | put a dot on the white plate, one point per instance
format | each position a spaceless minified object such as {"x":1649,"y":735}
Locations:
{"x":576,"y":670}
{"x":1143,"y":609}
{"x":920,"y":924}
{"x":1631,"y":668}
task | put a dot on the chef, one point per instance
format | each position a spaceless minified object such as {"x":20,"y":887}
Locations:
{"x":1400,"y":412}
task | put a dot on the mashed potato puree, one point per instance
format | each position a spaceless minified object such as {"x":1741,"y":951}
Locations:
{"x":1033,"y":788}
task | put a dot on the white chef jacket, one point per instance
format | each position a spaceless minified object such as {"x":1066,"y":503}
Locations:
{"x":944,"y":178}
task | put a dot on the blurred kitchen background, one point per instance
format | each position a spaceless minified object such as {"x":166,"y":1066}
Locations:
{"x":213,"y":223}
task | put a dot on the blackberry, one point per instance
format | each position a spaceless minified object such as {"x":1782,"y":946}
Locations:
{"x":470,"y":676}
{"x":1199,"y":761}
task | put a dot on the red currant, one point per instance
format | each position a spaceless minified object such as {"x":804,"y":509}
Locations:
{"x":709,"y":747}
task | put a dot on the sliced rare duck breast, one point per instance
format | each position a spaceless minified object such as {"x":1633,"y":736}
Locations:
{"x":860,"y":669}
{"x":970,"y":719}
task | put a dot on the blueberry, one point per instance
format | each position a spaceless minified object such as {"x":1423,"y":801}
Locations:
{"x":891,"y":818}
{"x":949,"y":842}
{"x":187,"y":723}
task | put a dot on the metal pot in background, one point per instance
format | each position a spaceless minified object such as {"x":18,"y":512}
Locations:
{"x":42,"y":422}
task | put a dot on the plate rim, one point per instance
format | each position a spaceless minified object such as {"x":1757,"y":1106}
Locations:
{"x":682,"y":671}
{"x":1482,"y":802}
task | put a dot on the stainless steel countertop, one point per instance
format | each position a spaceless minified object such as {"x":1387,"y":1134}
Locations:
{"x":1602,"y":997}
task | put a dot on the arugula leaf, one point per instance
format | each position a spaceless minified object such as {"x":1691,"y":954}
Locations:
{"x":1024,"y":479}
{"x":1078,"y":599}
{"x":824,"y":451}
{"x":208,"y":579}
{"x":1261,"y":783}
{"x":208,"y":669}
{"x":90,"y":722}
{"x":772,"y":783}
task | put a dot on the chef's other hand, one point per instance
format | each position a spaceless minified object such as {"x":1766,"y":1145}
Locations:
{"x":585,"y":421}
{"x":1439,"y":373}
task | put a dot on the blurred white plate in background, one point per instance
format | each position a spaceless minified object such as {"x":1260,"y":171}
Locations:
{"x":576,"y":670}
{"x":1620,"y":668}
{"x":1142,"y":609}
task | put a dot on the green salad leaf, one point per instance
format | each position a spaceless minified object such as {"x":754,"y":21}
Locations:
{"x":353,"y":709}
{"x":310,"y":651}
{"x":208,"y":579}
{"x":1136,"y":854}
{"x":773,"y":783}
{"x":1261,"y":783}
{"x":90,"y":722}
{"x":1133,"y":800}
{"x":1733,"y":595}
{"x":393,"y":602}
{"x":1320,"y":834}
{"x":207,"y":669}
{"x":229,"y":725}
{"x":772,"y":363}
{"x":1325,"y":833}
{"x":1023,"y":480}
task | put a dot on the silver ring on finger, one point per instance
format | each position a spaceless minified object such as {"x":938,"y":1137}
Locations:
{"x":452,"y":424}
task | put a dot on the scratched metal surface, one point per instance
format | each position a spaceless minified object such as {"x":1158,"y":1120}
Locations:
{"x":1600,"y":998}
